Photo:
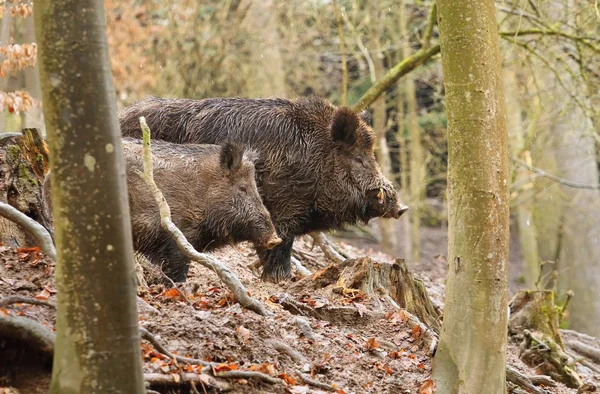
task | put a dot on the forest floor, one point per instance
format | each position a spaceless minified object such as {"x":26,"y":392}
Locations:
{"x":373,"y":350}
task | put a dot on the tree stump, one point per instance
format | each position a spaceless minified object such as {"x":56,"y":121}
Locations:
{"x":535,"y":311}
{"x":376,"y":279}
{"x":23,"y":167}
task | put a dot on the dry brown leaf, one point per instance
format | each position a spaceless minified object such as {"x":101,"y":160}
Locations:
{"x":372,"y":344}
{"x":43,"y":295}
{"x":243,"y":333}
{"x":428,"y":387}
{"x":287,"y":378}
{"x":416,"y":332}
{"x":360,"y":308}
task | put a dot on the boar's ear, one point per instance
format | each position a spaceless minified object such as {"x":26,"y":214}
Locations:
{"x":231,"y":156}
{"x":344,"y":126}
{"x":365,"y":116}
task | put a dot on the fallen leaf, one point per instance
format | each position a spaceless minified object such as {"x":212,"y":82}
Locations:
{"x":165,"y":368}
{"x":43,"y":295}
{"x":416,"y":332}
{"x":287,"y":378}
{"x":428,"y":387}
{"x":372,"y":344}
{"x":176,"y":377}
{"x":243,"y":333}
{"x":225,"y":367}
{"x":173,"y":294}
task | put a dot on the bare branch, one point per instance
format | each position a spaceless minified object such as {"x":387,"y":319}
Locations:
{"x":327,"y":248}
{"x":34,"y":228}
{"x":431,"y":22}
{"x":516,"y":377}
{"x":338,"y":17}
{"x":314,"y":383}
{"x":393,"y":75}
{"x":562,"y":181}
{"x":229,"y":278}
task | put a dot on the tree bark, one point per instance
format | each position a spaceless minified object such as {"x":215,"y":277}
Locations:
{"x":471,"y":356}
{"x":97,"y":339}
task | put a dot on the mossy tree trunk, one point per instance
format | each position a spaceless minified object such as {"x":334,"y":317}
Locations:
{"x":97,"y":339}
{"x":471,"y":357}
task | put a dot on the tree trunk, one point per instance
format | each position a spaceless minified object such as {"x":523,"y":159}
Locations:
{"x":471,"y":356}
{"x":34,"y":116}
{"x":403,"y":159}
{"x":417,"y":159}
{"x":97,"y":338}
{"x":524,"y":199}
{"x":388,"y":227}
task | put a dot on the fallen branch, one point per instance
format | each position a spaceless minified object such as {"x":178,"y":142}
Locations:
{"x":6,"y":301}
{"x":314,"y":383}
{"x":19,"y":328}
{"x":521,"y":380}
{"x":281,"y":347}
{"x":327,"y":248}
{"x":34,"y":228}
{"x":227,"y":277}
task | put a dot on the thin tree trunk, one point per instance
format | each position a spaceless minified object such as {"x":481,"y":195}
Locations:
{"x":97,"y":338}
{"x":471,"y":356}
{"x":268,"y":78}
{"x":403,"y":159}
{"x":524,"y":200}
{"x":417,"y":159}
{"x":34,"y":116}
{"x":387,"y":227}
{"x":338,"y":18}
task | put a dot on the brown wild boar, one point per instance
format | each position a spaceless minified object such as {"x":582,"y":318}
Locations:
{"x":212,"y":193}
{"x":316,"y":168}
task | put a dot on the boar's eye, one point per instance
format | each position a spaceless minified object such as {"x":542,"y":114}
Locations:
{"x":243,"y":189}
{"x":359,"y":160}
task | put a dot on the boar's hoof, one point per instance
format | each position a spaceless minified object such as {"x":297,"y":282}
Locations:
{"x":276,"y":274}
{"x":273,"y":241}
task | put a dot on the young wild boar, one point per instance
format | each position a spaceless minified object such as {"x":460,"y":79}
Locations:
{"x":213,"y":198}
{"x":316,"y":169}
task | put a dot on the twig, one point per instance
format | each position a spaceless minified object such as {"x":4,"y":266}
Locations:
{"x":516,"y":377}
{"x":314,"y":383}
{"x":227,"y":277}
{"x":248,"y":375}
{"x":145,"y":334}
{"x":338,"y":17}
{"x":562,"y":181}
{"x":281,"y":347}
{"x":24,"y":300}
{"x":34,"y":228}
{"x":431,"y":22}
{"x":570,"y":295}
{"x":327,"y":248}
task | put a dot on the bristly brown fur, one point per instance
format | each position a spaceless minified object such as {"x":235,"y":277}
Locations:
{"x":315,"y":170}
{"x":213,"y":198}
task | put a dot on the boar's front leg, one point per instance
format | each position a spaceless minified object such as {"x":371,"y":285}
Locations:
{"x":276,"y":262}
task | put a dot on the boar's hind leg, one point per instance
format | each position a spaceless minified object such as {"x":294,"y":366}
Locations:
{"x":276,"y":262}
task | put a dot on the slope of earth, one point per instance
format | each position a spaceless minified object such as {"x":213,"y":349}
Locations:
{"x":374,"y":351}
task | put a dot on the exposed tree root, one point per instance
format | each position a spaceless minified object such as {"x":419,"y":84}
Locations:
{"x":30,"y":332}
{"x":248,"y":375}
{"x":42,"y":235}
{"x":6,"y":301}
{"x":300,"y":268}
{"x":587,"y":351}
{"x":145,"y":334}
{"x":307,"y":380}
{"x":327,"y":247}
{"x":281,"y":347}
{"x":305,"y":328}
{"x":159,"y":379}
{"x":227,"y":277}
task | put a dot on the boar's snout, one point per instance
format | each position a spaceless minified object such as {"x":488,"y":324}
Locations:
{"x":273,"y":241}
{"x":399,"y":210}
